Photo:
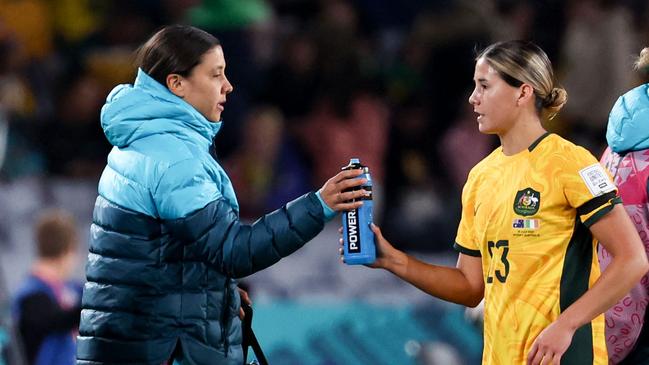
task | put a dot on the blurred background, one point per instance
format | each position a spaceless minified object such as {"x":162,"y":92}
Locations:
{"x":316,"y":83}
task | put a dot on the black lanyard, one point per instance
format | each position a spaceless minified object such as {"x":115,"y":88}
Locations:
{"x":249,"y":339}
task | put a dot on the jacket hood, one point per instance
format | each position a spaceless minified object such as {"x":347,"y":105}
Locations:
{"x":628,"y":123}
{"x":147,"y":107}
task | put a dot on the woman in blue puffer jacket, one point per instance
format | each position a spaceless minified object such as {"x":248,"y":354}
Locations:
{"x":166,"y":241}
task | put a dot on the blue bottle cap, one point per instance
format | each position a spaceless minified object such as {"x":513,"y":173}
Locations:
{"x":354,"y":161}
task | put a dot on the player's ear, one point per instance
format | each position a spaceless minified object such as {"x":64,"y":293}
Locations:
{"x":525,"y":94}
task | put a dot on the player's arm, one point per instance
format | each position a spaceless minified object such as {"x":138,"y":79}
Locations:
{"x":616,"y":233}
{"x":463,"y":284}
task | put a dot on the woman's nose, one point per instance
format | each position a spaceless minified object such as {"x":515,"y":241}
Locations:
{"x":473,"y":100}
{"x":228,"y":86}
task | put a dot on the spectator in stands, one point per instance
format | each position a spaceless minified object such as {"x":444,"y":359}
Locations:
{"x":47,"y":306}
{"x":266,"y":169}
{"x":75,"y":146}
{"x":595,"y":50}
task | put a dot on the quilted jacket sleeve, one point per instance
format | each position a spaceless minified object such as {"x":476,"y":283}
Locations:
{"x":212,"y":228}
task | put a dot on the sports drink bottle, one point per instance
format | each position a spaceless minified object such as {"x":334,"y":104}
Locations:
{"x":358,"y":238}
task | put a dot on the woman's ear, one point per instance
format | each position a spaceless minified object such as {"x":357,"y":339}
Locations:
{"x":175,"y":84}
{"x":525,"y":94}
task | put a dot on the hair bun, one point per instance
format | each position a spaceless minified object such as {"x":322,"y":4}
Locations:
{"x":555,"y":100}
{"x":643,"y":61}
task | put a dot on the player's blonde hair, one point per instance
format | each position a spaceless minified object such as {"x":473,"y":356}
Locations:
{"x":519,"y":62}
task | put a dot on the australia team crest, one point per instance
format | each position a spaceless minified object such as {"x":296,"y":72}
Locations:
{"x":527,"y":202}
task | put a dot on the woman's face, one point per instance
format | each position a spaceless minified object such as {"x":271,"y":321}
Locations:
{"x":493,"y":100}
{"x":207,"y":86}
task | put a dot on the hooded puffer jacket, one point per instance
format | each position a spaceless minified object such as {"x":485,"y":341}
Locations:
{"x":166,"y":241}
{"x":627,"y":158}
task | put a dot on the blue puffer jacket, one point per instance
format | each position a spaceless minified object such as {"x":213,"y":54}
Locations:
{"x":166,"y":242}
{"x":628,"y":123}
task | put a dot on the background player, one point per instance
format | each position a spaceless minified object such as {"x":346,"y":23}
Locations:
{"x":627,"y":338}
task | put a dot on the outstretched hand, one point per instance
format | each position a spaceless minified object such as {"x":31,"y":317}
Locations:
{"x":333,"y":191}
{"x":386,"y":254}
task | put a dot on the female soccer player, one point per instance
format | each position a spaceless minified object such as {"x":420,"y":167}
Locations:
{"x":525,"y":239}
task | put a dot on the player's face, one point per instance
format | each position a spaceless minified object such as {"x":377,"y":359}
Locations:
{"x":207,"y":85}
{"x":493,"y":100}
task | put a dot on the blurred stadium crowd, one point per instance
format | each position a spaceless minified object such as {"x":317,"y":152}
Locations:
{"x":316,"y":82}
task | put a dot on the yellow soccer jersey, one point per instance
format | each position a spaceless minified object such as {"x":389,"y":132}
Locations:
{"x":527,"y":217}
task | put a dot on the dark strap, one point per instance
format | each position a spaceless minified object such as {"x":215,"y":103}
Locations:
{"x":249,"y":339}
{"x":212,"y":150}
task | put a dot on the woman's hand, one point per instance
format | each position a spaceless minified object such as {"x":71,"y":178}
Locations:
{"x":551,"y":344}
{"x":332,"y":192}
{"x":244,"y":299}
{"x":387,"y":257}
